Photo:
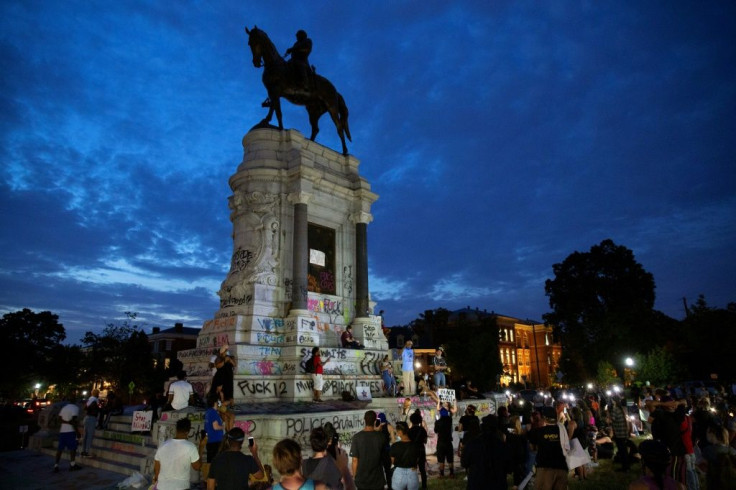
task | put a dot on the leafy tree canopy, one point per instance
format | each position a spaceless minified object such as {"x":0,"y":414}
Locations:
{"x":27,"y":344}
{"x":120,"y":354}
{"x":601,"y":301}
{"x":708,"y":335}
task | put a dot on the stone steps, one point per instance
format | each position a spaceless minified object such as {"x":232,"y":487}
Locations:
{"x":113,"y":449}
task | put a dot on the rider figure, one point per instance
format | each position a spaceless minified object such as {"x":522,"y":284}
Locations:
{"x":300,"y":58}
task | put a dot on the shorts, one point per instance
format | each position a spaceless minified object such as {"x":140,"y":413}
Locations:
{"x":68,"y":440}
{"x":445,"y":452}
{"x":318,"y":382}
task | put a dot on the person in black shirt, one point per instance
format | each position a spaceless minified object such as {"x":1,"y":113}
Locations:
{"x":443,"y":429}
{"x":418,"y":435}
{"x":487,"y":458}
{"x":404,"y":456}
{"x":551,"y":462}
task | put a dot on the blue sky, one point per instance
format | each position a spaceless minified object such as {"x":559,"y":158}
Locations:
{"x":500,"y":136}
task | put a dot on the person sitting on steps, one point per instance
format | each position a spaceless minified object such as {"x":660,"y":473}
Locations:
{"x":348,"y":341}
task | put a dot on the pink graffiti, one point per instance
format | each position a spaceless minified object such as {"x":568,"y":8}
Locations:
{"x":265,"y":366}
{"x":248,"y":426}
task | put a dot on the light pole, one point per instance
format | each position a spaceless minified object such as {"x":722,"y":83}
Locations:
{"x":629,"y":363}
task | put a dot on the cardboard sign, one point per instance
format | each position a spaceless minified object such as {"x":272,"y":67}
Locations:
{"x":142,"y":421}
{"x":363,"y":391}
{"x":446,"y":395}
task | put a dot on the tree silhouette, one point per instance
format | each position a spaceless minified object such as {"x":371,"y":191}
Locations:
{"x":602,"y":302}
{"x":27,"y":344}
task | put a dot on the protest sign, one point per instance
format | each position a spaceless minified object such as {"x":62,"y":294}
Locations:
{"x":141,"y":421}
{"x":446,"y":395}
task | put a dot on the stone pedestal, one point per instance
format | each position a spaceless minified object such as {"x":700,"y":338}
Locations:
{"x":298,"y":274}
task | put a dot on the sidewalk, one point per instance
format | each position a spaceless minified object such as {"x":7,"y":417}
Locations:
{"x":29,"y":469}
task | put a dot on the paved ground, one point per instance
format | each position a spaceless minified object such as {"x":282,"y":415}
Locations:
{"x":29,"y":469}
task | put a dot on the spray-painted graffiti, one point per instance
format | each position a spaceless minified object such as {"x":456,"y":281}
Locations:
{"x":271,"y":325}
{"x":325,"y":305}
{"x":341,"y":368}
{"x":265,"y":388}
{"x":298,"y":428}
{"x":230,"y":301}
{"x":327,"y":282}
{"x":370,"y":363}
{"x":268,"y":338}
{"x":191,"y":354}
{"x":267,"y":350}
{"x":301,"y":339}
{"x":248,"y":426}
{"x":370,"y":332}
{"x":240,"y":260}
{"x":213,"y":340}
{"x":220,"y":323}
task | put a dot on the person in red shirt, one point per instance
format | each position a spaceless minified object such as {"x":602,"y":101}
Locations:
{"x":317,"y":374}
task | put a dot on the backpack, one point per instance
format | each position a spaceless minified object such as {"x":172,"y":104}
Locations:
{"x":309,"y":365}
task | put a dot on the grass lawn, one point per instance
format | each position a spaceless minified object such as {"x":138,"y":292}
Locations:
{"x":602,"y":478}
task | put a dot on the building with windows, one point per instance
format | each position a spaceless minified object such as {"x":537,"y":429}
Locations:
{"x":165,"y":344}
{"x":526,"y":348}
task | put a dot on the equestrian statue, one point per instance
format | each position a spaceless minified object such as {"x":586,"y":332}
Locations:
{"x":297,"y":82}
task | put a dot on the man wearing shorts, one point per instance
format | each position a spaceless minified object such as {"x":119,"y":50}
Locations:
{"x":68,"y":435}
{"x":317,"y":374}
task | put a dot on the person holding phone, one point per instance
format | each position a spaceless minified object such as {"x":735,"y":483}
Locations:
{"x":231,"y":468}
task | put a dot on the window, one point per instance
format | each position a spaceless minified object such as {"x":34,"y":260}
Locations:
{"x":321,"y":270}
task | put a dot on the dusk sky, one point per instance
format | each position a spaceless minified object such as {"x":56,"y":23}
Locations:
{"x":501,"y":136}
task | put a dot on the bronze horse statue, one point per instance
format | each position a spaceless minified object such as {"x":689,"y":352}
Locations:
{"x":319,"y":96}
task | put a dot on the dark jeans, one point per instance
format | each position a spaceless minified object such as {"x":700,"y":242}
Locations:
{"x":622,"y":451}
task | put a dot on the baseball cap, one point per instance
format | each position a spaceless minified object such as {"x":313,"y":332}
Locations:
{"x":382,"y":417}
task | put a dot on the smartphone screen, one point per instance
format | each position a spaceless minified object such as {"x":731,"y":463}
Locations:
{"x":250,"y":441}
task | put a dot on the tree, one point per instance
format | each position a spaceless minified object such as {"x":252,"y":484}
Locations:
{"x":658,"y":367}
{"x":602,"y":300}
{"x":606,"y":374}
{"x":27,"y":343}
{"x":708,"y":335}
{"x":472,"y":352}
{"x":120,"y":354}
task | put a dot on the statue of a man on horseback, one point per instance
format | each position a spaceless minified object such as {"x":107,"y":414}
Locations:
{"x":299,"y":62}
{"x":296,"y":82}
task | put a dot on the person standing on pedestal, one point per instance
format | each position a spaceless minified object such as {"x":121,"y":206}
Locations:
{"x":317,"y":374}
{"x":440,"y":366}
{"x":407,"y":369}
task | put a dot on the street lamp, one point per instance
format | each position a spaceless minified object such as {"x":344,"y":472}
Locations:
{"x":628,"y":364}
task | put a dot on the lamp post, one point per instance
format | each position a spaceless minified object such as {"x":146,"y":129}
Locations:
{"x":628,"y":364}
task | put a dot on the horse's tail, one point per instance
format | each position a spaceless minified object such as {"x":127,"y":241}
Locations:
{"x":342,"y":109}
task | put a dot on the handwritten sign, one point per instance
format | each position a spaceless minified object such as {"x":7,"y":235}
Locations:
{"x":141,"y":421}
{"x":363,"y":391}
{"x":446,"y":395}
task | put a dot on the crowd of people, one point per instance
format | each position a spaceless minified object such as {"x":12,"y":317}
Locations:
{"x":690,"y":438}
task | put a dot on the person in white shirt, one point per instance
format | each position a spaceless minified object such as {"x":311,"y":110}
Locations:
{"x":92,"y":411}
{"x":174,"y":458}
{"x":180,"y":392}
{"x":69,"y":435}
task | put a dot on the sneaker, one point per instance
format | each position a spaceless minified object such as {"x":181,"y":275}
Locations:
{"x":76,"y":467}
